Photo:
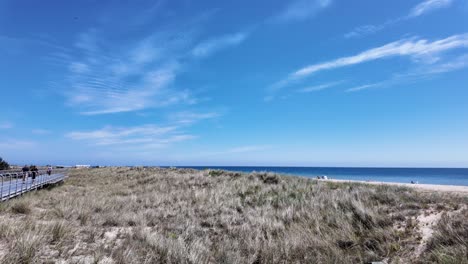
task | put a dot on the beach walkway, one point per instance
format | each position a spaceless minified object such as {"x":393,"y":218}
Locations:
{"x":12,"y":185}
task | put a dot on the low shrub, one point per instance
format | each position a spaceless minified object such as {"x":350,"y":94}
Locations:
{"x":20,"y":207}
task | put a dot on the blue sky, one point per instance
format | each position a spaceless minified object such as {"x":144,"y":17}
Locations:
{"x":299,"y":83}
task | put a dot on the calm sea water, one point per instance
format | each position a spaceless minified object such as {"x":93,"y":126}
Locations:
{"x":446,"y":176}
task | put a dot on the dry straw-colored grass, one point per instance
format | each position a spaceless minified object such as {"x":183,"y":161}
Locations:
{"x":152,"y":215}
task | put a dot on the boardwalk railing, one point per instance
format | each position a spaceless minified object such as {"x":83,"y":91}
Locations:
{"x":12,"y":183}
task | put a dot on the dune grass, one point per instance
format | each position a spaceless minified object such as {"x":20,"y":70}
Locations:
{"x":449,"y":244}
{"x":153,"y":215}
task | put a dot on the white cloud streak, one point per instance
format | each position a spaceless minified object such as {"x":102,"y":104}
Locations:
{"x":106,"y":77}
{"x":145,"y":134}
{"x":363,"y":87}
{"x":421,"y":73}
{"x":104,"y":82}
{"x":419,"y":50}
{"x":300,"y":10}
{"x":420,"y":9}
{"x":429,"y":6}
{"x":191,"y":117}
{"x":453,"y":65}
{"x":413,"y":48}
{"x":213,"y":45}
{"x":319,"y":87}
{"x":370,"y":29}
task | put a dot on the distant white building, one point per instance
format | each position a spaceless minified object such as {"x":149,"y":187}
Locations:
{"x":82,"y":166}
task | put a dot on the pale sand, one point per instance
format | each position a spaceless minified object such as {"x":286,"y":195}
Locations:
{"x":425,"y":187}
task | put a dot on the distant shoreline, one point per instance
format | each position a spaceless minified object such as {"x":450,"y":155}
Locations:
{"x":429,"y":179}
{"x":420,"y":186}
{"x":425,"y":187}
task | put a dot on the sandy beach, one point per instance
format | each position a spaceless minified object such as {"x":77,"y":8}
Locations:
{"x":423,"y":187}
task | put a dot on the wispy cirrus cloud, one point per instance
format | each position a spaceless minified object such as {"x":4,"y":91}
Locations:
{"x":370,"y":29}
{"x":126,"y":135}
{"x":415,"y":48}
{"x":213,"y":45}
{"x":106,"y":76}
{"x":188,"y":117}
{"x":420,"y":73}
{"x":300,"y":10}
{"x":104,"y":82}
{"x":448,"y":66}
{"x":144,"y":135}
{"x":429,"y":6}
{"x":319,"y":87}
{"x":422,"y":8}
{"x":363,"y":87}
{"x":419,"y":50}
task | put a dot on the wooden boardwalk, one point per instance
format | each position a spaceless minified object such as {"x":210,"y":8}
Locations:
{"x":12,"y":184}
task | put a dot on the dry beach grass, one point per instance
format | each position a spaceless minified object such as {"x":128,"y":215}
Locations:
{"x":153,"y":215}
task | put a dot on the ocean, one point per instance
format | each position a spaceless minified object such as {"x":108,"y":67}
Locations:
{"x":445,"y":176}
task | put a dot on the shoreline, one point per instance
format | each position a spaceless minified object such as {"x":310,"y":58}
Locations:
{"x":460,"y":189}
{"x":435,"y":180}
{"x":424,"y":187}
